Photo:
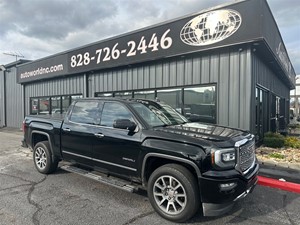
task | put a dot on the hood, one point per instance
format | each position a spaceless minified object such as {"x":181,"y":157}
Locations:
{"x":208,"y":132}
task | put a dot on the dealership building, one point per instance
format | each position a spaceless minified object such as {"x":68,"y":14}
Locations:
{"x":226,"y":65}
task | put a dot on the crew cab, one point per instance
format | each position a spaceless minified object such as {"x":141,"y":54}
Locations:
{"x":138,"y":143}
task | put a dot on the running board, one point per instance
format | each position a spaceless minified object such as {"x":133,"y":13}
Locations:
{"x":115,"y":182}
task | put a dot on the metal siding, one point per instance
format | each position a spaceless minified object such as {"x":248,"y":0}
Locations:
{"x":180,"y":72}
{"x":129,"y":74}
{"x":166,"y":73}
{"x":246,"y":90}
{"x":109,"y":81}
{"x":159,"y":75}
{"x":188,"y":72}
{"x":214,"y":68}
{"x":223,"y":90}
{"x":146,"y":75}
{"x":113,"y":79}
{"x":173,"y":73}
{"x":2,"y":109}
{"x":105,"y":82}
{"x":152,"y":76}
{"x":205,"y":73}
{"x":196,"y":70}
{"x":14,"y":100}
{"x":234,"y":90}
{"x":140,"y":77}
{"x":124,"y":79}
{"x":134,"y":78}
{"x":267,"y":78}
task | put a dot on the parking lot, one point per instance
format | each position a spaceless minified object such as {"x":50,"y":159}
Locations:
{"x":28,"y":197}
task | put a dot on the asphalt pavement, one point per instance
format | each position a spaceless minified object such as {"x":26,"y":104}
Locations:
{"x":28,"y":197}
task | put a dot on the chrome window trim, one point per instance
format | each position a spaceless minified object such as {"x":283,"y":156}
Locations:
{"x":99,"y":126}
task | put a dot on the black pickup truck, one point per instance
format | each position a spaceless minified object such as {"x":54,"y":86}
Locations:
{"x":147,"y":144}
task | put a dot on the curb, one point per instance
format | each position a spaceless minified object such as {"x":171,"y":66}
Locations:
{"x":283,"y":185}
{"x":278,"y":172}
{"x":279,"y":165}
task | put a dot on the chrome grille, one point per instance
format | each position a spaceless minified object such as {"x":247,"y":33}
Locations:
{"x":247,"y":155}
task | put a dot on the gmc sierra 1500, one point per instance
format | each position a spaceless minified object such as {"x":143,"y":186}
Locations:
{"x":147,"y":144}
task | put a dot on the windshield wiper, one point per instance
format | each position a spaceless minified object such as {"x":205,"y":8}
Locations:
{"x":163,"y":125}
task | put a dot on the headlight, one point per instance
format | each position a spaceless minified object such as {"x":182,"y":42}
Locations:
{"x":223,"y":158}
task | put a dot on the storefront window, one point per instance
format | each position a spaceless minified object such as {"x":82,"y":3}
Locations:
{"x":34,"y":106}
{"x":196,"y":103}
{"x":65,"y":100}
{"x":55,"y":105}
{"x":59,"y":104}
{"x":44,"y":106}
{"x":172,"y":97}
{"x":200,"y":103}
{"x":145,"y":94}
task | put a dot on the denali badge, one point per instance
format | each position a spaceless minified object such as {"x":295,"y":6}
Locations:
{"x":127,"y":159}
{"x":210,"y":27}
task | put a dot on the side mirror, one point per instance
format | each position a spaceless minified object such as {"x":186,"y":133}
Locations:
{"x":125,"y":124}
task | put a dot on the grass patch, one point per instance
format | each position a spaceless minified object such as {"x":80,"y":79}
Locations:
{"x":292,"y":142}
{"x":276,"y":155}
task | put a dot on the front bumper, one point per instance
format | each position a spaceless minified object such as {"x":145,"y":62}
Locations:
{"x":216,"y":200}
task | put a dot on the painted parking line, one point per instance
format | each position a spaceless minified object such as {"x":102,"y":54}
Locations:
{"x":283,"y":185}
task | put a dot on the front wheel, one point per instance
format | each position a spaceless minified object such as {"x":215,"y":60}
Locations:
{"x":42,"y":158}
{"x":173,"y":192}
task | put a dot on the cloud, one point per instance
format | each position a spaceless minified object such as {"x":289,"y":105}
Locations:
{"x":52,"y":19}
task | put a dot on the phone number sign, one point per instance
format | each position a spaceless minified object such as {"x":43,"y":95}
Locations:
{"x":124,"y":50}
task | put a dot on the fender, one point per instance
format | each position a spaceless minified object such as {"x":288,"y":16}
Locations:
{"x":174,"y":158}
{"x":49,"y":140}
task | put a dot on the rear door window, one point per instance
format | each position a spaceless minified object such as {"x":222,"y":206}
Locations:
{"x":86,"y":112}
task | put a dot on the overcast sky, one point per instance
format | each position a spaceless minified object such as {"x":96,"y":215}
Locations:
{"x":39,"y":28}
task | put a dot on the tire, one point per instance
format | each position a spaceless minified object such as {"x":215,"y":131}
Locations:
{"x":173,"y":192}
{"x":42,"y":158}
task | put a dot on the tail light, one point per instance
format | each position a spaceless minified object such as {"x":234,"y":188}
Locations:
{"x":23,"y":126}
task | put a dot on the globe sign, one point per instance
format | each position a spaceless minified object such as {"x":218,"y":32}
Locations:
{"x":210,"y":27}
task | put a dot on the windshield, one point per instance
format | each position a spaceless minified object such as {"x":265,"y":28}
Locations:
{"x":158,"y":114}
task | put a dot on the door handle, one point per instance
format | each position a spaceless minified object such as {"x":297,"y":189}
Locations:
{"x":67,"y":129}
{"x":99,"y":135}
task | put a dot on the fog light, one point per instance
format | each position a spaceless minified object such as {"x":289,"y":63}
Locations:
{"x":228,"y":186}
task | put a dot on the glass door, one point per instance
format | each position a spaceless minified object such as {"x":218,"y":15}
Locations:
{"x":262,"y":113}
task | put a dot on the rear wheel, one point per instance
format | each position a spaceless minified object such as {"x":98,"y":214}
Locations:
{"x":173,"y":192}
{"x":42,"y":158}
